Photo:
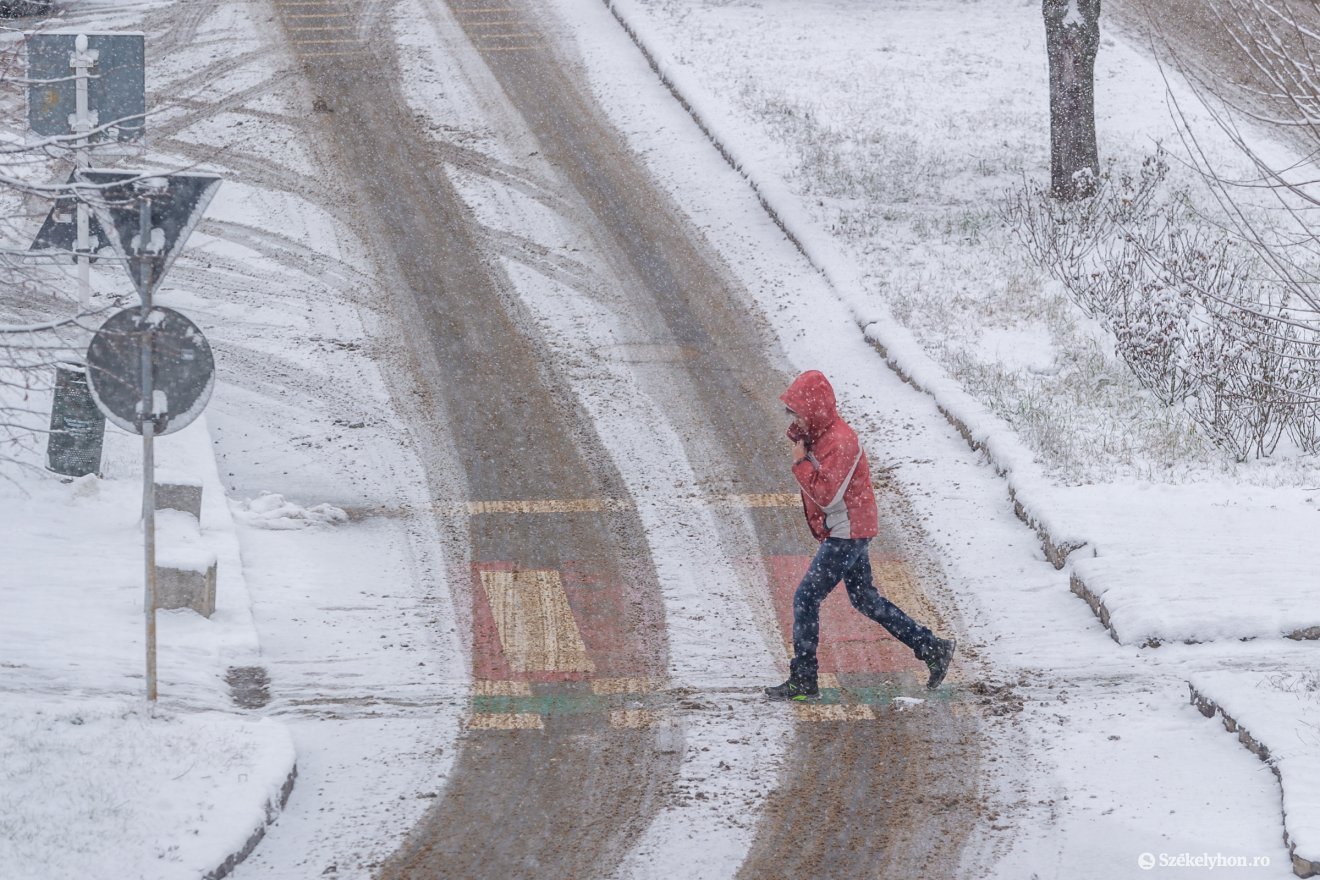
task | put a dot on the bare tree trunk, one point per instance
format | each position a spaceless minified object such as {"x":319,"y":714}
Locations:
{"x":1072,"y":37}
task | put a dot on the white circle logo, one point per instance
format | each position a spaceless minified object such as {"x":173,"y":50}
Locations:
{"x":1145,"y":861}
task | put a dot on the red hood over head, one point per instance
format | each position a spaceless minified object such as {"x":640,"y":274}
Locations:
{"x":812,"y":397}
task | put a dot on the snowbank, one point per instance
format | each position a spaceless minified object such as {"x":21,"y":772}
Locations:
{"x":71,"y":601}
{"x":272,"y":511}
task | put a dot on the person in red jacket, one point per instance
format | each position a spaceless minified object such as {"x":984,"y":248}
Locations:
{"x":835,"y":479}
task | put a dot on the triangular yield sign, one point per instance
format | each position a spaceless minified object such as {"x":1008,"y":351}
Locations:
{"x":60,"y":231}
{"x":177,"y":204}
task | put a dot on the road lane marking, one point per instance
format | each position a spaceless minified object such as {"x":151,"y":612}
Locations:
{"x":634,"y":719}
{"x":601,"y":505}
{"x":489,"y":688}
{"x":535,"y":622}
{"x":608,"y":686}
{"x":572,"y":505}
{"x":505,"y":721}
{"x":636,"y":703}
{"x":833,"y":712}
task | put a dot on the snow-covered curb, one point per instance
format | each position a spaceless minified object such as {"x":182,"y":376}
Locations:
{"x":273,"y":807}
{"x":1297,"y":769}
{"x":1096,"y":599}
{"x":900,"y":351}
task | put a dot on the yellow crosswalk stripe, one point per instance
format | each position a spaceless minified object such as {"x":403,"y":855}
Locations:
{"x":598,"y":505}
{"x":495,"y":688}
{"x":505,"y":721}
{"x":572,"y":505}
{"x":833,"y":712}
{"x":633,"y":719}
{"x":610,"y":686}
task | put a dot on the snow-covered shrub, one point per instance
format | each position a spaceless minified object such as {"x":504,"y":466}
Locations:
{"x":1191,"y":310}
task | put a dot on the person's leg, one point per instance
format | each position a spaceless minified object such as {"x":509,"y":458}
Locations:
{"x":833,"y":558}
{"x":867,"y":599}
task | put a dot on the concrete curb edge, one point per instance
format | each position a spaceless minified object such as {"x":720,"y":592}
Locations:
{"x":273,"y":808}
{"x":1301,"y":865}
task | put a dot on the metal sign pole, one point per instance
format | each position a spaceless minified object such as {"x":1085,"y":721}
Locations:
{"x":84,"y":120}
{"x":148,"y":452}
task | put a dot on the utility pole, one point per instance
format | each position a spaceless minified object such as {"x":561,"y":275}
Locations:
{"x":147,"y":189}
{"x":82,"y":122}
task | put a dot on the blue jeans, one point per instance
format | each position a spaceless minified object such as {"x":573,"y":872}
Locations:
{"x":847,"y":560}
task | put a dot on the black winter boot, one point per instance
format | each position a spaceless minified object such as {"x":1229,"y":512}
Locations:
{"x":801,"y":684}
{"x":793,"y":690}
{"x":938,"y":662}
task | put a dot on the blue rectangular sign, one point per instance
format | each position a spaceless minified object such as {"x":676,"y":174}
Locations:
{"x":116,"y":88}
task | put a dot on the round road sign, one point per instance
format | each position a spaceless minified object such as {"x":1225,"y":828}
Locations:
{"x":183,"y":370}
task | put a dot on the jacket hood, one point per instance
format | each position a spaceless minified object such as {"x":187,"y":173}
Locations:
{"x":812,"y":397}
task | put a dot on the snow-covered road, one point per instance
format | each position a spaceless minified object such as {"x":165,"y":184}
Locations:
{"x":482,"y":280}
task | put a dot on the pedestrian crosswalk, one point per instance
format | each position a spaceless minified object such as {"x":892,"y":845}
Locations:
{"x":535,"y":631}
{"x":321,"y":29}
{"x":601,"y":505}
{"x":496,"y":26}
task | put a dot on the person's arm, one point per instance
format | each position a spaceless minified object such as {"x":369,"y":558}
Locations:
{"x":822,"y":477}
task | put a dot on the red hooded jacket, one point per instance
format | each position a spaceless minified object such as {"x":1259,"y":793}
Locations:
{"x":835,"y":476}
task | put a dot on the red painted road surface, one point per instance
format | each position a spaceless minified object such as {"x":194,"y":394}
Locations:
{"x":849,"y":641}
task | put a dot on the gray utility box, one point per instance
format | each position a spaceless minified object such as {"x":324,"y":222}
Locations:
{"x":77,"y":428}
{"x":187,"y":582}
{"x":180,"y":494}
{"x":185,"y":567}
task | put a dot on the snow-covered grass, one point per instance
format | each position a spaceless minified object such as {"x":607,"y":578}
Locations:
{"x":111,"y":788}
{"x":906,"y":153}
